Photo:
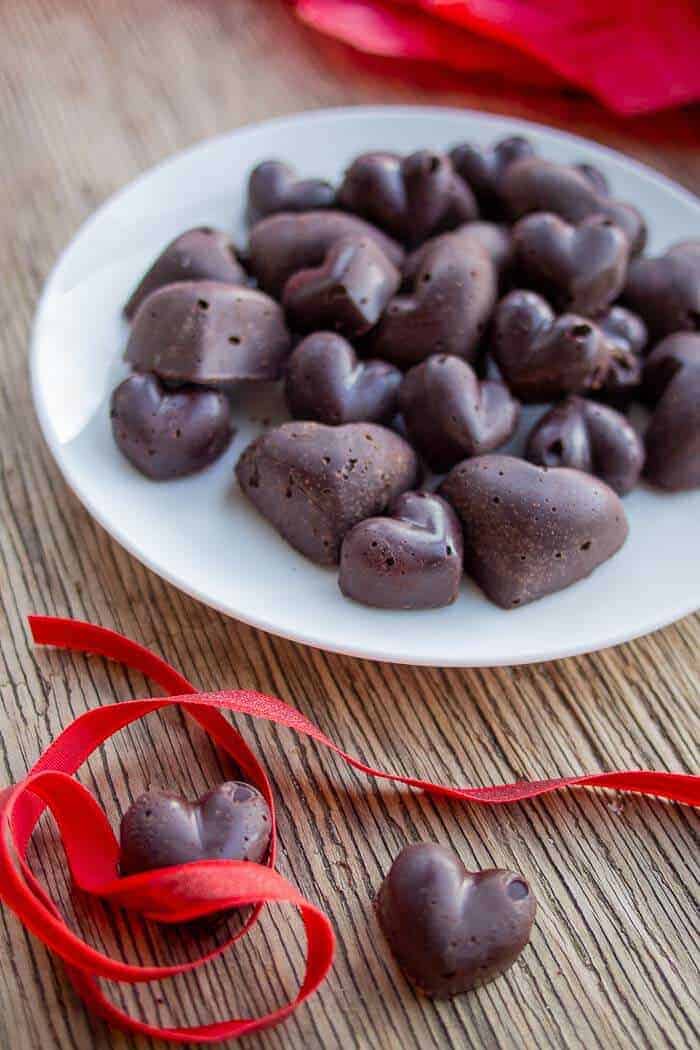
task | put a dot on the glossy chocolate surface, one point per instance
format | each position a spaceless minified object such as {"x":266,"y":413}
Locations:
{"x":274,"y":186}
{"x":665,"y":290}
{"x":672,"y":382}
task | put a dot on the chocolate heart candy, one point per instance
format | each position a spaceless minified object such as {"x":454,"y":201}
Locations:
{"x":210,"y":333}
{"x":495,"y":238}
{"x":665,"y":290}
{"x":543,"y":357}
{"x":348,"y":292}
{"x":167,"y":434}
{"x":410,"y":197}
{"x":529,"y":531}
{"x":483,"y":169}
{"x":591,"y":437}
{"x":450,"y":929}
{"x":540,"y":185}
{"x":672,"y":379}
{"x":161,"y":829}
{"x":449,"y":414}
{"x":201,"y":254}
{"x":313,"y":482}
{"x":626,"y":337}
{"x":274,"y":186}
{"x":454,"y":291}
{"x":578,"y":268}
{"x":595,"y":176}
{"x":284,"y":243}
{"x":409,"y":560}
{"x":326,"y":382}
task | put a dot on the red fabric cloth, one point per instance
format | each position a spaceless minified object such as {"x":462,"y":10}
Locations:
{"x":187,"y":891}
{"x":635,"y":56}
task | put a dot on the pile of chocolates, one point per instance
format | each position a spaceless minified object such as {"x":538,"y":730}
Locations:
{"x":410,"y":311}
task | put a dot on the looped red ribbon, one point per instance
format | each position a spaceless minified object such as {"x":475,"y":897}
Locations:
{"x":188,"y":891}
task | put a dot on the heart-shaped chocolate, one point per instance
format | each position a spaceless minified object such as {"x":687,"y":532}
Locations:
{"x":274,"y":186}
{"x":409,"y":197}
{"x":543,"y":357}
{"x":596,"y":178}
{"x":595,"y":438}
{"x":326,"y":382}
{"x":529,"y":531}
{"x":409,"y":560}
{"x":209,"y":333}
{"x":450,"y":415}
{"x":665,"y":290}
{"x":313,"y":482}
{"x":169,"y":433}
{"x":161,"y":829}
{"x":495,"y":238}
{"x":672,"y":381}
{"x":483,"y":169}
{"x":287,"y":242}
{"x":578,"y":268}
{"x":450,"y":929}
{"x":626,"y":337}
{"x":454,"y":291}
{"x":202,"y":254}
{"x":347,"y":292}
{"x":540,"y":185}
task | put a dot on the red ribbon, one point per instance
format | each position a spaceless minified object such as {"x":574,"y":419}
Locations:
{"x":188,"y":891}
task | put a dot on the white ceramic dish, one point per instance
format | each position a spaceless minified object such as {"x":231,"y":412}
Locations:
{"x":202,"y":535}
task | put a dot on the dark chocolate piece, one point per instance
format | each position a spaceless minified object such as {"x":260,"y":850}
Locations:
{"x":313,"y":482}
{"x":202,"y":254}
{"x":454,"y":291}
{"x":209,"y":333}
{"x":672,"y":382}
{"x":347,"y":292}
{"x":665,"y":290}
{"x":543,"y":357}
{"x":581,"y":268}
{"x":326,"y":382}
{"x":287,"y":242}
{"x":409,"y":197}
{"x":541,"y":185}
{"x":530,"y":531}
{"x":161,"y":829}
{"x":450,"y":929}
{"x":595,"y":438}
{"x":495,"y":238}
{"x":483,"y":169}
{"x":626,"y":337}
{"x":274,"y":186}
{"x":596,"y":178}
{"x":449,"y":414}
{"x":409,"y":560}
{"x":169,"y":433}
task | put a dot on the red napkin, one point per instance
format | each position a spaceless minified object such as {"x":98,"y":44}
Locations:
{"x":635,"y":56}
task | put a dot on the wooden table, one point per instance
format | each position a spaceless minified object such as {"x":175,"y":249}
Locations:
{"x":91,"y":95}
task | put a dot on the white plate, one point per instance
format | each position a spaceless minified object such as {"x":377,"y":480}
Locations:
{"x":202,"y":535}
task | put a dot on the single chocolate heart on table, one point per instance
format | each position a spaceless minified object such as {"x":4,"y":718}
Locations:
{"x":483,"y":169}
{"x":209,"y":333}
{"x":540,"y":185}
{"x":326,"y":382}
{"x":454,"y":291}
{"x":449,"y":414}
{"x":161,"y":829}
{"x":595,"y":438}
{"x":169,"y":433}
{"x":672,"y":382}
{"x":578,"y":268}
{"x":529,"y":531}
{"x":411,"y":559}
{"x":347,"y":292}
{"x":313,"y":482}
{"x":202,"y":254}
{"x":626,"y":337}
{"x":450,"y":929}
{"x":665,"y":290}
{"x":290,"y":241}
{"x":541,"y":356}
{"x":495,"y":238}
{"x":410,"y":197}
{"x":274,"y":186}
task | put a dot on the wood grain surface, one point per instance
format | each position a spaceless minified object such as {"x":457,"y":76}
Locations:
{"x":91,"y":94}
